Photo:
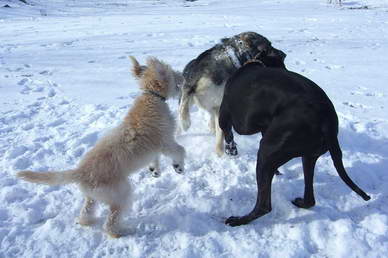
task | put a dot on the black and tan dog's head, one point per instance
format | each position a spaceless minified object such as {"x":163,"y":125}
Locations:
{"x":253,"y":46}
{"x":157,"y":77}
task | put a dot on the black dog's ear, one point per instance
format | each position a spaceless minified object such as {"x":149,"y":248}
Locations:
{"x":277,"y":53}
{"x":262,"y":51}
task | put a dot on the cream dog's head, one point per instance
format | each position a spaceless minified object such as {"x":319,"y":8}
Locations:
{"x":158,"y":77}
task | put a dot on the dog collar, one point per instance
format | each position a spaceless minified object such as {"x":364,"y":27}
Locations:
{"x":156,"y":94}
{"x":255,"y":61}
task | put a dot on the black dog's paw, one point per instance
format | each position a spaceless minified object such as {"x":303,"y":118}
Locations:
{"x":231,"y":149}
{"x":277,"y":172}
{"x":236,"y":221}
{"x":299,"y":202}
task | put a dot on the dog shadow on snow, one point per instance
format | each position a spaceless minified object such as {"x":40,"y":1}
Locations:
{"x":330,"y":191}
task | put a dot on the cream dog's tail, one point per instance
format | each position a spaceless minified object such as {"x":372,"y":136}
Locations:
{"x":50,"y":178}
{"x":137,"y":69}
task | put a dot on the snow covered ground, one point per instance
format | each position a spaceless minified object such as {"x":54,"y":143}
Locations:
{"x":65,"y":81}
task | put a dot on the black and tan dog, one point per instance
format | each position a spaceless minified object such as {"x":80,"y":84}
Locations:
{"x":296,"y":119}
{"x":205,"y":76}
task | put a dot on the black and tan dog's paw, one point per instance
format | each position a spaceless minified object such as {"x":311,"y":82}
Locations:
{"x":231,"y":149}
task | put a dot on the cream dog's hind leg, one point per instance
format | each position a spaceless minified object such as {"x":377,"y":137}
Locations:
{"x":112,"y":221}
{"x":119,"y":198}
{"x":86,"y":217}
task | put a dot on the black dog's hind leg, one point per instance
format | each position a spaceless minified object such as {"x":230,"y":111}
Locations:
{"x":225,"y":123}
{"x":265,"y":169}
{"x":308,"y":170}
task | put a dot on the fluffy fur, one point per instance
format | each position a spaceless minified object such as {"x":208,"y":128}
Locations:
{"x":146,"y":132}
{"x":205,"y":76}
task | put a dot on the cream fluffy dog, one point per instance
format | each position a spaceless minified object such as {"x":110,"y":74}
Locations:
{"x":146,"y":132}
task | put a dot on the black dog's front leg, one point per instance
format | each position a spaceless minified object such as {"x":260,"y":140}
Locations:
{"x":269,"y":159}
{"x":264,"y":176}
{"x":263,"y":201}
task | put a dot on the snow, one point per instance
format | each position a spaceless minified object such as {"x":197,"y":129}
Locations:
{"x":65,"y":82}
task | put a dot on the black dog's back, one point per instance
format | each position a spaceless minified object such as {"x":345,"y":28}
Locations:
{"x":275,"y":90}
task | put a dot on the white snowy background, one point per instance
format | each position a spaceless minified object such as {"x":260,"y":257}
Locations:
{"x":65,"y":81}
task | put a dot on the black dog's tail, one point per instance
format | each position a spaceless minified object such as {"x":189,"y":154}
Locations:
{"x":336,"y":155}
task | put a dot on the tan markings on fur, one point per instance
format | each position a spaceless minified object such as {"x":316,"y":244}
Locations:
{"x":219,"y":136}
{"x":208,"y":95}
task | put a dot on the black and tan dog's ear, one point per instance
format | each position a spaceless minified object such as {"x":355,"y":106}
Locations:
{"x":137,"y":69}
{"x":225,"y":40}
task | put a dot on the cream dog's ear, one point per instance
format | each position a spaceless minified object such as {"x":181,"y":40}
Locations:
{"x":137,"y":69}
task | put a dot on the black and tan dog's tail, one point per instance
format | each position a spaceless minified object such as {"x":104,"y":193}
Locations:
{"x":137,"y":69}
{"x":336,"y":155}
{"x":50,"y":178}
{"x":184,"y":106}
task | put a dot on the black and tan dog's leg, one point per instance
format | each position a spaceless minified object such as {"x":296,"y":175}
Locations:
{"x":177,"y":153}
{"x":154,"y":168}
{"x":264,"y":175}
{"x":212,"y":123}
{"x":225,"y":123}
{"x":308,"y":170}
{"x":219,"y":136}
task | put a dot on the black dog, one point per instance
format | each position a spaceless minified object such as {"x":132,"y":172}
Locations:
{"x":296,"y":119}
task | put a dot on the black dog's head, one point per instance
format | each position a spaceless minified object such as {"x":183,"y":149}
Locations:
{"x":274,"y":58}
